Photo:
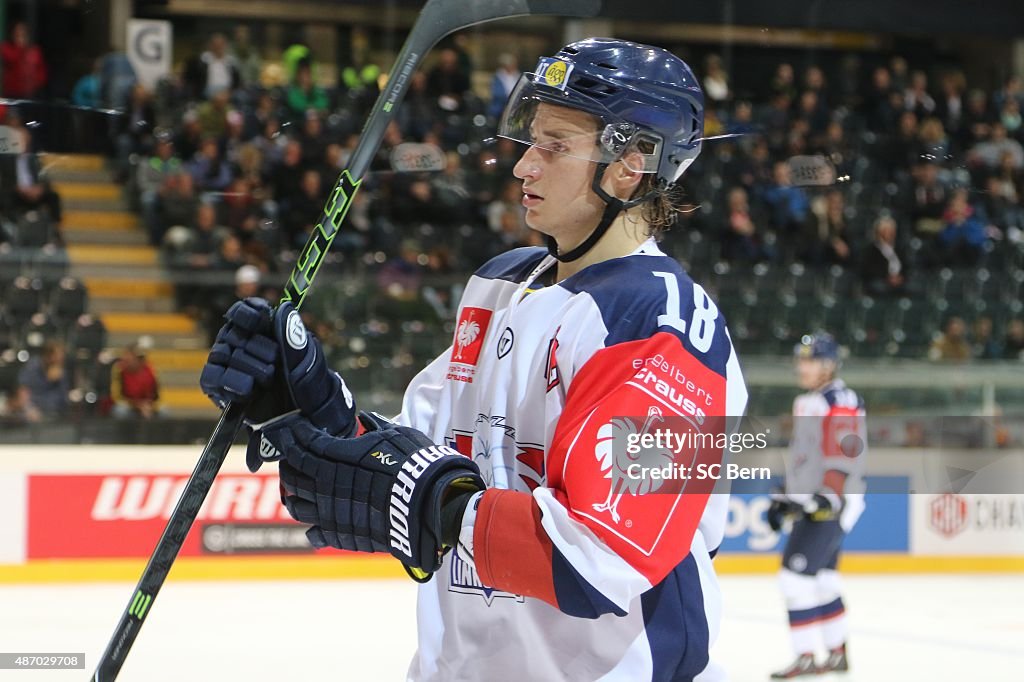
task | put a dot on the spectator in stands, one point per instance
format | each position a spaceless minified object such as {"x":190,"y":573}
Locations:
{"x":46,"y":381}
{"x":134,"y":135}
{"x":784,"y":81}
{"x":246,"y":57}
{"x":151,"y":176}
{"x":916,"y":97}
{"x":400,"y":278}
{"x":829,"y":238}
{"x":788,"y":204}
{"x":950,"y":107}
{"x":1010,"y":117}
{"x":879,"y":112}
{"x":213,"y":71}
{"x":900,"y":72}
{"x":902,"y":148}
{"x":447,"y":82}
{"x":963,"y":238}
{"x":814,"y":81}
{"x":1013,"y":344}
{"x":716,"y":80}
{"x":504,"y":79}
{"x":989,"y":152}
{"x":450,"y":187}
{"x":951,"y":344}
{"x":1000,"y":205}
{"x":977,"y":123}
{"x":208,"y":170}
{"x":86,"y":92}
{"x":741,"y":242}
{"x":213,"y":114}
{"x":134,"y":388}
{"x":15,"y":408}
{"x":302,"y":210}
{"x":928,"y":200}
{"x":883,"y":270}
{"x":189,"y":135}
{"x":312,"y":139}
{"x":933,"y":144}
{"x":811,"y":110}
{"x":1013,"y":89}
{"x":24,"y":67}
{"x":304,"y":94}
{"x":177,"y":201}
{"x":984,"y":345}
{"x":32,"y":190}
{"x":233,"y":139}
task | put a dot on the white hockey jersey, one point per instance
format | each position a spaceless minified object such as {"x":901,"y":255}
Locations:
{"x":829,"y":433}
{"x":574,"y":579}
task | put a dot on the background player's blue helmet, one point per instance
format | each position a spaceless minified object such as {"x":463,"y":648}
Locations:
{"x":817,"y":346}
{"x":649,"y":104}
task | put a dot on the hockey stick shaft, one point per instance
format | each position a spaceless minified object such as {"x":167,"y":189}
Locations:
{"x":437,"y":19}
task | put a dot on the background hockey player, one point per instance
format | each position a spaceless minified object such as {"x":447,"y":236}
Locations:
{"x":825,"y":494}
{"x":498,"y":449}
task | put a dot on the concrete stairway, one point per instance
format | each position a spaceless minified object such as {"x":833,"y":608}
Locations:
{"x":129,"y":289}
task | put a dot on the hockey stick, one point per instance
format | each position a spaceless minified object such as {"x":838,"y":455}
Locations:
{"x":437,"y":19}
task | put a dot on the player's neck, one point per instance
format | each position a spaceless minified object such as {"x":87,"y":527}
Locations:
{"x":623,"y":237}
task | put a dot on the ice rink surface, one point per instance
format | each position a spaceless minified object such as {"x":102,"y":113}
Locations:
{"x":904,"y":628}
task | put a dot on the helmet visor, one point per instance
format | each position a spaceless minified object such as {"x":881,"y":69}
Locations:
{"x":573,"y":124}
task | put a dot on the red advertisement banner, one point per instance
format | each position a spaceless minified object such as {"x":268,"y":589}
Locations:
{"x":123,"y":515}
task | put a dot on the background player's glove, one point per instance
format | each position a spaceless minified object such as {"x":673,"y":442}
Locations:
{"x":779,"y":510}
{"x":388,"y":490}
{"x":267,"y":359}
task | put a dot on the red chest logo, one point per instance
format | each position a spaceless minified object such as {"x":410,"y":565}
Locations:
{"x":469,"y":335}
{"x":469,"y":340}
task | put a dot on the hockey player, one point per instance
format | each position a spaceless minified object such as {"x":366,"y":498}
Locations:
{"x":561,"y":570}
{"x":825,"y":494}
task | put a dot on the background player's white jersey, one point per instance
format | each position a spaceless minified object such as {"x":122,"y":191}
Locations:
{"x":598,"y":582}
{"x":829,"y":432}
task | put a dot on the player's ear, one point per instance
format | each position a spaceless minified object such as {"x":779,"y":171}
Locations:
{"x":624,"y":179}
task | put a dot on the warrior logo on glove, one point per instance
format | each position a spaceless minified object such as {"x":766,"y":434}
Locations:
{"x":296,"y":331}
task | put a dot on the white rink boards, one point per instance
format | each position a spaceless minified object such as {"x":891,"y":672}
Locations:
{"x":933,"y":628}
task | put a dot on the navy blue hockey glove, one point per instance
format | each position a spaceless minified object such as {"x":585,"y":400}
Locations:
{"x":779,"y":510}
{"x":388,"y":490}
{"x":267,"y":359}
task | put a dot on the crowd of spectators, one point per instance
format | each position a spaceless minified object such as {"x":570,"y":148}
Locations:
{"x":927,"y":171}
{"x":229,"y":170}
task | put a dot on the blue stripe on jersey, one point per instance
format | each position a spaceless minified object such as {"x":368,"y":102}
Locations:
{"x":512,"y":266}
{"x":677,"y":627}
{"x":631,"y":298}
{"x":576,"y":597}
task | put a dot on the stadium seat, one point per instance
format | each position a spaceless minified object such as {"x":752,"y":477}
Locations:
{"x":68,"y":300}
{"x":87,"y":338}
{"x":23,"y":299}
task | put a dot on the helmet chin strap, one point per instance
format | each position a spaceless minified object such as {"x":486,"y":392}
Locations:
{"x":612,"y":208}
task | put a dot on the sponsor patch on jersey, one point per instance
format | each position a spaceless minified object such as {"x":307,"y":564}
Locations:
{"x":469,"y":340}
{"x":464,"y":580}
{"x":553,"y":72}
{"x":632,"y":509}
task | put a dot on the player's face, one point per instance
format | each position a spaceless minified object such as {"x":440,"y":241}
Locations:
{"x":812,"y":373}
{"x":556,"y":175}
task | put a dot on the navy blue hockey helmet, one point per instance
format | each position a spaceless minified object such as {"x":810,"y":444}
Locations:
{"x":649,"y":104}
{"x":817,"y":346}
